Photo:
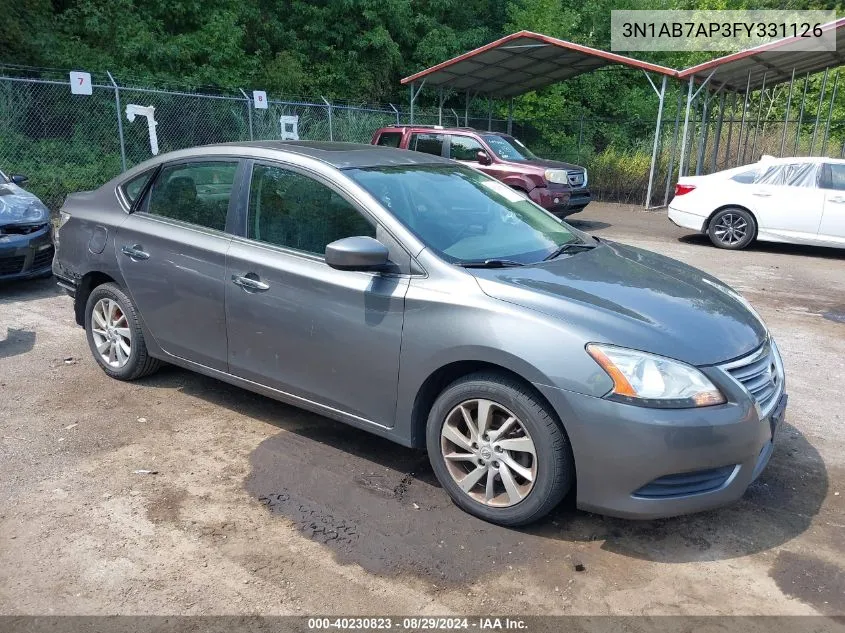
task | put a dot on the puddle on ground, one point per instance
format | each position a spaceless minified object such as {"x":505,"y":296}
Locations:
{"x":816,"y":582}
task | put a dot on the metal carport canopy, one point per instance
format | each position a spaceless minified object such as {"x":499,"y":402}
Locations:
{"x":775,"y":61}
{"x":520,"y":63}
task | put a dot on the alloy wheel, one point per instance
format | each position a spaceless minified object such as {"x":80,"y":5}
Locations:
{"x":111,"y":332}
{"x":731,"y":228}
{"x":489,"y":453}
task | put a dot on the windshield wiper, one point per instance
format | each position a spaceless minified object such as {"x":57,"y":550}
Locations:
{"x":560,"y":250}
{"x":491,"y":263}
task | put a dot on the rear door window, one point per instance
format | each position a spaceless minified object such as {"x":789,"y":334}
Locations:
{"x":196,"y":192}
{"x":134,"y":187}
{"x":389,"y":139}
{"x":427,"y":143}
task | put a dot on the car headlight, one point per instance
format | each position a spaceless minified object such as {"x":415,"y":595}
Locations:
{"x":558,"y":176}
{"x":654,"y":381}
{"x":33,"y":213}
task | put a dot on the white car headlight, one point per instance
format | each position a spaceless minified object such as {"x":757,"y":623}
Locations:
{"x":654,"y":381}
{"x":557,"y":176}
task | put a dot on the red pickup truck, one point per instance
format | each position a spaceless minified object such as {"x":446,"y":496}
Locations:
{"x":559,"y":187}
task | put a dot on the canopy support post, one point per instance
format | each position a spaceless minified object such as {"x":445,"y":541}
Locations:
{"x":489,"y":114}
{"x":440,"y":107}
{"x":466,"y":111}
{"x":730,"y":130}
{"x":830,"y":113}
{"x":414,"y":95}
{"x":510,"y":117}
{"x":702,"y":138}
{"x":674,"y":148}
{"x":686,"y":128}
{"x":718,"y":137}
{"x":786,"y":117}
{"x":660,"y":98}
{"x":759,"y":112}
{"x":818,"y":113}
{"x":740,"y":148}
{"x":801,"y":115}
{"x":690,"y":96}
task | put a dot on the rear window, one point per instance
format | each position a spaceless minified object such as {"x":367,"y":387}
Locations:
{"x":746,"y":177}
{"x":389,"y":139}
{"x":428,"y":143}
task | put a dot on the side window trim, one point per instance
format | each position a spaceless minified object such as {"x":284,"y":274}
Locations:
{"x":243,"y":213}
{"x":144,"y":199}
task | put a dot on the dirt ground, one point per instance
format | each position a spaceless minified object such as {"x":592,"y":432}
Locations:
{"x":260,"y":508}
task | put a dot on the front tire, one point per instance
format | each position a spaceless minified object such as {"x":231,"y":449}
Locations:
{"x":732,"y":228}
{"x":498,"y":450}
{"x":114,"y":334}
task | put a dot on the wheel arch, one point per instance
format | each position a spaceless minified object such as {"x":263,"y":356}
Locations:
{"x":85,"y":287}
{"x":723,"y":207}
{"x":439,"y":379}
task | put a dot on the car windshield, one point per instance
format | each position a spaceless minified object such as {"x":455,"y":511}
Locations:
{"x":508,"y":148}
{"x":465,"y":216}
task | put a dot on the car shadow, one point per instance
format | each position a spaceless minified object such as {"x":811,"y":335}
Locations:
{"x":28,"y":289}
{"x":823,"y":252}
{"x":378,"y":505}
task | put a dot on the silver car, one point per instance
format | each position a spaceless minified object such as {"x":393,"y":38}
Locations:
{"x":420,"y":300}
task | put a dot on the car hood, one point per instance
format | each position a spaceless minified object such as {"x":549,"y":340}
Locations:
{"x":634,"y":298}
{"x":550,"y":164}
{"x":18,"y":206}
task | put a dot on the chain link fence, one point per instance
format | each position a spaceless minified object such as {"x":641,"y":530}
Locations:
{"x":65,"y":142}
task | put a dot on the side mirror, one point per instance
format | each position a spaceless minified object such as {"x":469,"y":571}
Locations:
{"x":18,"y":179}
{"x":483,"y":158}
{"x":357,"y":253}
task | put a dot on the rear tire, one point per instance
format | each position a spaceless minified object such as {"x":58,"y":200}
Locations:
{"x":114,"y":334}
{"x":732,"y":228}
{"x":513,"y":475}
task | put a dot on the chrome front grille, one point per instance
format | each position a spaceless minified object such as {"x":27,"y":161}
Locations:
{"x":576,"y":178}
{"x":761,"y":373}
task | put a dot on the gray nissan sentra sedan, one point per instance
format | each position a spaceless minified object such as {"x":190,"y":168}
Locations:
{"x":423,"y":301}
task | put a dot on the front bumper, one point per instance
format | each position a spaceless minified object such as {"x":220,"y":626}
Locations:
{"x":578,"y":199}
{"x":554,"y":198}
{"x":643,"y":463}
{"x":26,"y":256}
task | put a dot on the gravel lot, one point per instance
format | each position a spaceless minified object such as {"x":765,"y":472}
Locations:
{"x":257,"y":507}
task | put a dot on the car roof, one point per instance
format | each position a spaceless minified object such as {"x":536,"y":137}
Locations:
{"x":339,"y":155}
{"x":775,"y":160}
{"x":438,"y":128}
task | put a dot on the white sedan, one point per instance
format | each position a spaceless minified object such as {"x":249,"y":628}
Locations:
{"x":796,"y":200}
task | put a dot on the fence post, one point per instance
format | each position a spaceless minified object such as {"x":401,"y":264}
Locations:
{"x":248,"y":111}
{"x":396,"y":111}
{"x":329,"y":106}
{"x":119,"y":121}
{"x":580,"y":136}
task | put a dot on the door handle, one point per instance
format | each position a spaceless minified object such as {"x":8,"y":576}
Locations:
{"x":250,"y":284}
{"x":838,"y":199}
{"x":135,"y":251}
{"x":762,"y":194}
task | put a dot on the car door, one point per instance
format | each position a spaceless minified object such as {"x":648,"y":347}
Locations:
{"x":296,"y":325}
{"x":172,"y":255}
{"x":832,"y":226}
{"x":787,"y":201}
